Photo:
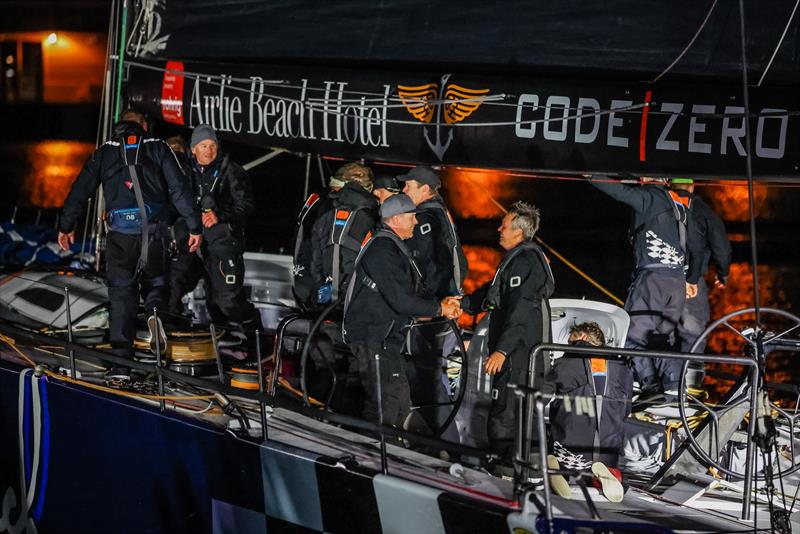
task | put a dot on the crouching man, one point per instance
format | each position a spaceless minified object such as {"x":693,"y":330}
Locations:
{"x":596,"y":434}
{"x":383,"y":296}
{"x":516,"y":300}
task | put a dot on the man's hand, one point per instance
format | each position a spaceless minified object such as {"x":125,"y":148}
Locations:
{"x":720,"y":282}
{"x":451,"y":307}
{"x":66,"y":240}
{"x":494,"y":363}
{"x":194,"y":241}
{"x":691,"y":290}
{"x":209,"y":219}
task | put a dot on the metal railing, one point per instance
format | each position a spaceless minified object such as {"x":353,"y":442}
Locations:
{"x":531,"y":401}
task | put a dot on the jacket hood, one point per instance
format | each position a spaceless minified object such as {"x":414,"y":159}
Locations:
{"x":353,"y":195}
{"x":123,"y":128}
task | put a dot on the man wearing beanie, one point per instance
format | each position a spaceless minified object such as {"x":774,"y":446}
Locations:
{"x":141,"y":179}
{"x":337,"y":234}
{"x":224,"y":197}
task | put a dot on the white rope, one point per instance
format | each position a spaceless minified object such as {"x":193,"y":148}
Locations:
{"x":780,"y":42}
{"x":688,"y":46}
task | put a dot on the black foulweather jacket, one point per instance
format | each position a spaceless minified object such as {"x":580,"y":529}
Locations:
{"x":163,"y":183}
{"x":654,"y":229}
{"x":514,"y":299}
{"x":386,"y":295}
{"x":708,"y":238}
{"x":351,"y":199}
{"x":224,"y":187}
{"x":437,"y":249}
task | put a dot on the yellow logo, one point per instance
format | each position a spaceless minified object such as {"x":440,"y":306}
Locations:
{"x":453,"y":101}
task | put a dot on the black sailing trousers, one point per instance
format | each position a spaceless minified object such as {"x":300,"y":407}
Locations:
{"x":126,"y":286}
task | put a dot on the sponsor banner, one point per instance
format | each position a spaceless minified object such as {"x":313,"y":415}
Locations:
{"x":558,"y":125}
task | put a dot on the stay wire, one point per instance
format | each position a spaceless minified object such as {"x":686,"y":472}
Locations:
{"x":749,"y":162}
{"x":780,"y":42}
{"x":688,"y":46}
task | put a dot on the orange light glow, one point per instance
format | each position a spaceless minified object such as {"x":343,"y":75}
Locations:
{"x":54,"y":165}
{"x":467,"y":192}
{"x":738,"y":294}
{"x":483,"y":262}
{"x":729,"y":200}
{"x":72,"y":63}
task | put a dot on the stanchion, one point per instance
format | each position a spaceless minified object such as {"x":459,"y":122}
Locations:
{"x":157,"y":333}
{"x":262,"y":406}
{"x":384,"y":461}
{"x":217,"y":357}
{"x":72,"y":368}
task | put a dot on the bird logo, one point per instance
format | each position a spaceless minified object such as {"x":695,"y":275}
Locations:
{"x":452,"y":101}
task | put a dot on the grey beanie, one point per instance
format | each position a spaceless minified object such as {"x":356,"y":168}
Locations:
{"x":202,"y":132}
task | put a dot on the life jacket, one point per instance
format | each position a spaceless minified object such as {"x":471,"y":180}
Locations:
{"x":340,"y":237}
{"x":679,"y":214}
{"x":133,"y":220}
{"x":310,"y":202}
{"x":457,"y":255}
{"x":364,"y":281}
{"x":492,"y":300}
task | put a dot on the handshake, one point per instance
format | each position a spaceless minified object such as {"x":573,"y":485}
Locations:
{"x":450,"y":307}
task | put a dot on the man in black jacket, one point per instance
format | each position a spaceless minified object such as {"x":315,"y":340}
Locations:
{"x":658,"y":292}
{"x":223,"y":194}
{"x":519,"y":319}
{"x":304,"y":286}
{"x":140,"y":178}
{"x":338,"y":232}
{"x":435,"y":245}
{"x":707,"y":233}
{"x":437,"y":250}
{"x":383,"y":296}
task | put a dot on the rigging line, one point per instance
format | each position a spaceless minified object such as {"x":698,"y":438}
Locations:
{"x":780,"y":42}
{"x":748,"y":150}
{"x":688,"y":46}
{"x":564,"y":118}
{"x":553,"y":251}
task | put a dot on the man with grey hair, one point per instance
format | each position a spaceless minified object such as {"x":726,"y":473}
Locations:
{"x":516,"y":300}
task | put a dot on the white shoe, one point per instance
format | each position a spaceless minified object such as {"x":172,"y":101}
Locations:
{"x":612,"y":488}
{"x":558,"y":483}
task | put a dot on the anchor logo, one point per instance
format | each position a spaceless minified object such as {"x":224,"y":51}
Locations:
{"x":454,"y":101}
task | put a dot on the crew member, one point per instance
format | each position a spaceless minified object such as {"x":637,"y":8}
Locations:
{"x":435,"y":245}
{"x":382,"y":298}
{"x":437,"y":250}
{"x":223,"y":194}
{"x":180,"y":148}
{"x":385,"y":186}
{"x":305,"y":287}
{"x":140,"y":178}
{"x":658,"y":292}
{"x":516,"y":299}
{"x":338,"y":232}
{"x":606,"y":384}
{"x":708,"y":233}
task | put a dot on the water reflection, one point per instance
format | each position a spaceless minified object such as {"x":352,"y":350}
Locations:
{"x":51,"y":167}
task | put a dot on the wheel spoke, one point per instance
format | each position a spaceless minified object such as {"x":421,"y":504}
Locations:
{"x":738,"y":333}
{"x":775,"y":338}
